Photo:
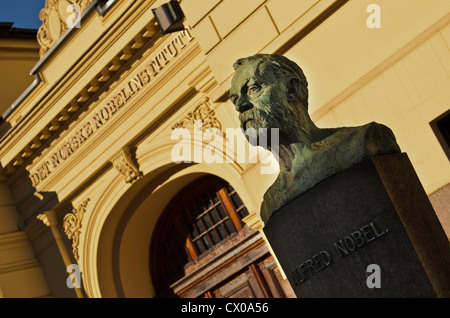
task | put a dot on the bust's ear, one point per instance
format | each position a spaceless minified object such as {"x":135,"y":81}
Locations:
{"x":293,"y":88}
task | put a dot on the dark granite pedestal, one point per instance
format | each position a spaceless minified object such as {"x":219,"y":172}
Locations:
{"x":373,"y":213}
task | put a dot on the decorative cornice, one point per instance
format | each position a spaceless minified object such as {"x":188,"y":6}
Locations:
{"x":10,"y":240}
{"x":125,"y":164}
{"x":18,"y":266}
{"x":81,"y":100}
{"x":72,"y":225}
{"x":56,"y":17}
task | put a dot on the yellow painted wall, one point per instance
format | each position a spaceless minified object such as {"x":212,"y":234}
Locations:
{"x":17,"y":58}
{"x":397,"y":75}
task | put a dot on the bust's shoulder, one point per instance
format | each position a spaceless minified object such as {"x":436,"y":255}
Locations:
{"x":370,"y":129}
{"x":374,"y":128}
{"x":361,"y":141}
{"x":379,"y":139}
{"x":341,"y":149}
{"x":373,"y":137}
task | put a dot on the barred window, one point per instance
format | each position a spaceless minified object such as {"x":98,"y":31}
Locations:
{"x":201,"y":216}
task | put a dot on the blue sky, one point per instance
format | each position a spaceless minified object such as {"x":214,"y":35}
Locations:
{"x":24,"y":13}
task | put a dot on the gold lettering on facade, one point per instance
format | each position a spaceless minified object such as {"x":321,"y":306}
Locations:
{"x":143,"y":77}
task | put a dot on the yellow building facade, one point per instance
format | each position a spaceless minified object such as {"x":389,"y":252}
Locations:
{"x":88,"y":174}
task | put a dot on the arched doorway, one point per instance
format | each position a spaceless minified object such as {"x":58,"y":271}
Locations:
{"x":202,"y":248}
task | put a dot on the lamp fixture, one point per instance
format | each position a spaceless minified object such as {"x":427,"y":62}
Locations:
{"x":169,"y":17}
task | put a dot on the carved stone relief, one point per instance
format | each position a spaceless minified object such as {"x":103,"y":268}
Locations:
{"x":56,"y":17}
{"x":204,"y":113}
{"x":72,"y":225}
{"x":127,"y":167}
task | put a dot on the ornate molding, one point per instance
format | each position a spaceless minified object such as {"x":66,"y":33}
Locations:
{"x":204,"y":113}
{"x":82,"y":98}
{"x":72,"y":225}
{"x":125,"y":164}
{"x":44,"y":219}
{"x":56,"y":16}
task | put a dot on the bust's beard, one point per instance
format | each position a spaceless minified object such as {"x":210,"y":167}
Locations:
{"x":263,"y":137}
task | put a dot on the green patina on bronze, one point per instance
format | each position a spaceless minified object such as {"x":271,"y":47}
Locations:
{"x":271,"y":91}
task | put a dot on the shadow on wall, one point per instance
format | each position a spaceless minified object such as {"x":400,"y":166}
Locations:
{"x":45,"y":244}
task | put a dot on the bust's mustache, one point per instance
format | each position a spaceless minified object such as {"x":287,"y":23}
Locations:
{"x":253,"y":114}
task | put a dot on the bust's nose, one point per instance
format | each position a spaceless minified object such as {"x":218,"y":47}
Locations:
{"x":242,"y":104}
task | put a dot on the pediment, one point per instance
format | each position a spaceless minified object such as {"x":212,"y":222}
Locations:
{"x":57,"y":17}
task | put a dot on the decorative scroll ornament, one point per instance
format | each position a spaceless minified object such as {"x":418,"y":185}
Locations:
{"x":125,"y":164}
{"x":56,"y":17}
{"x":204,"y":113}
{"x":72,"y":225}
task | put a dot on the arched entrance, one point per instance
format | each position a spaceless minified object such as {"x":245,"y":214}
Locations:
{"x":202,"y":248}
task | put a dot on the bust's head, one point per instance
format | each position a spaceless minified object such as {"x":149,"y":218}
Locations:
{"x":269,"y":91}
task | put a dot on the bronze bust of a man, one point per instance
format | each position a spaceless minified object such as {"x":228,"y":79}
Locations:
{"x":271,"y":91}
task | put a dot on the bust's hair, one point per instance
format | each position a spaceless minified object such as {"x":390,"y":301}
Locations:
{"x":282,"y":67}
